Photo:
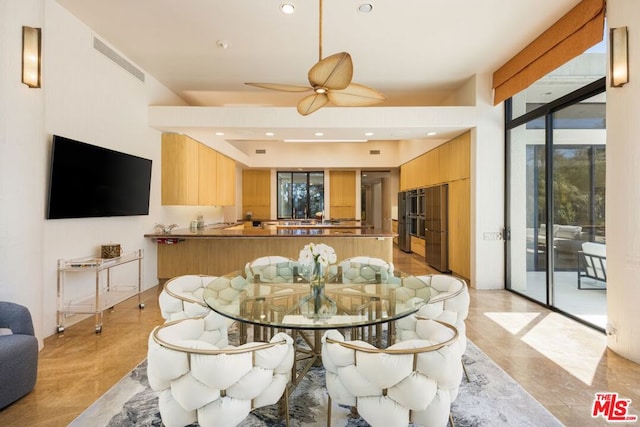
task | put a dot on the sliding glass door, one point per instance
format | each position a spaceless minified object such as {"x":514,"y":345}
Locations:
{"x":578,"y":207}
{"x":555,"y":208}
{"x":528,"y":250}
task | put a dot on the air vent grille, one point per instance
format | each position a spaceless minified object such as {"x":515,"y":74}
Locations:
{"x":101,"y":47}
{"x":261,"y":151}
{"x":374,"y":152}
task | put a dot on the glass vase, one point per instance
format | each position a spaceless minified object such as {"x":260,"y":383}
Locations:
{"x":318,"y":305}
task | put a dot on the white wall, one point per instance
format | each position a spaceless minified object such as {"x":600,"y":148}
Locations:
{"x":623,"y":193}
{"x":487,"y":191}
{"x":22,"y":161}
{"x":84,"y":96}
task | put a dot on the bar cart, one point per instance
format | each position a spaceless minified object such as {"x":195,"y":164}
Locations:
{"x":106,"y":295}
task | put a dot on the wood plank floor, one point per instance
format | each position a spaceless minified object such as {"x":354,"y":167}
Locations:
{"x":557,"y":360}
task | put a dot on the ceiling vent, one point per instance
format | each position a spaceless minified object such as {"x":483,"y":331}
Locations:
{"x":101,"y":47}
{"x":261,"y":151}
{"x":374,"y":152}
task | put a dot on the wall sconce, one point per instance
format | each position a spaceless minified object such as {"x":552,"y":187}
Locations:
{"x":619,"y":56}
{"x":31,"y":56}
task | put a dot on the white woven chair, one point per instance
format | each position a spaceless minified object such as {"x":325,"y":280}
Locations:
{"x":182,"y":297}
{"x":412,"y":381}
{"x":449,"y":302}
{"x":364,"y":269}
{"x":196,"y":381}
{"x":368,"y":270}
{"x":270,"y":269}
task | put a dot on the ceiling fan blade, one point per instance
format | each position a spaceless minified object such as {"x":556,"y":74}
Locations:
{"x":311,"y":103}
{"x":333,"y":72}
{"x":281,"y":87}
{"x":355,"y":95}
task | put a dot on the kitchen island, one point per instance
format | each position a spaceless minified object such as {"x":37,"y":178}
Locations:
{"x":217,"y":250}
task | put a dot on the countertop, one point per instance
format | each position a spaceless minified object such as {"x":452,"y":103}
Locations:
{"x":223,"y":231}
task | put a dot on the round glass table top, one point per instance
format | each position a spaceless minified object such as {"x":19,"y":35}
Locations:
{"x":283,"y":294}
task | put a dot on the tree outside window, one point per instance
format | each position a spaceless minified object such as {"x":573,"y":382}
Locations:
{"x":300,"y":194}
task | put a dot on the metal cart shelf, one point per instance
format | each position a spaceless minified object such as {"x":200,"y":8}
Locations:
{"x":106,"y":294}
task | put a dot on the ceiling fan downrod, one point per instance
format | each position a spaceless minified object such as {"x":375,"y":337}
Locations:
{"x":320,"y":31}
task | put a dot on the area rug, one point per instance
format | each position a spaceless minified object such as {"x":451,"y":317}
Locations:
{"x":490,"y":398}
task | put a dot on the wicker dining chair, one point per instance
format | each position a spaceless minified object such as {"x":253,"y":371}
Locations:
{"x":182,"y":297}
{"x":411,"y":381}
{"x":196,"y":381}
{"x":449,"y":302}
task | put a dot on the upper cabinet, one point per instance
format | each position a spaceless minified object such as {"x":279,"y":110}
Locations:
{"x":194,"y":174}
{"x":226,"y":181}
{"x":256,"y":193}
{"x":342,"y":194}
{"x":207,"y":175}
{"x":180,"y":156}
{"x":446,"y":163}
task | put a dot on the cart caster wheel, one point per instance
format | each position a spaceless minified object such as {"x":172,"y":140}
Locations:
{"x":60,"y":329}
{"x":98,"y":329}
{"x":141,"y":305}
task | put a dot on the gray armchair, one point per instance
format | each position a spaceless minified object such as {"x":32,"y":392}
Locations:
{"x":18,"y":353}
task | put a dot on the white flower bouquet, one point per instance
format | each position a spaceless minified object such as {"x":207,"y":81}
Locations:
{"x":317,"y":253}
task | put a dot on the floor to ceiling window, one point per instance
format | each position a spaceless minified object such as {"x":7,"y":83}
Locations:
{"x":556,"y":134}
{"x":300,"y":194}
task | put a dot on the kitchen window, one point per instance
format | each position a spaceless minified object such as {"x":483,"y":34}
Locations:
{"x":300,"y":194}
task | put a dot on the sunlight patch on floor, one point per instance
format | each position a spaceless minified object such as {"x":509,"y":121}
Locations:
{"x":513,"y":322}
{"x":576,"y":348}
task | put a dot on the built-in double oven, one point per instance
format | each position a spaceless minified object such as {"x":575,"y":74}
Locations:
{"x":417,"y":210}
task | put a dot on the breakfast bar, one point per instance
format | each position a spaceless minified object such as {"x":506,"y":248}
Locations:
{"x":216,"y":250}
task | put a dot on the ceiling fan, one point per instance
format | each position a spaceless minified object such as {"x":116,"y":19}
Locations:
{"x":330,"y":80}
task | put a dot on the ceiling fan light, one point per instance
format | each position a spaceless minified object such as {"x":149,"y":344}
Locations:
{"x":320,"y":90}
{"x":287,"y":8}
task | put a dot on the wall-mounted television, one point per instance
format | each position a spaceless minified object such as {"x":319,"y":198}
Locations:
{"x":89,"y":181}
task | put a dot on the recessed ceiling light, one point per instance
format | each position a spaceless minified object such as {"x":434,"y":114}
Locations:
{"x":220,"y":133}
{"x":269,"y":133}
{"x":287,"y":8}
{"x":319,"y":134}
{"x":365,"y":8}
{"x":324,"y":140}
{"x":369,"y":134}
{"x":223,"y":43}
{"x":431,"y":133}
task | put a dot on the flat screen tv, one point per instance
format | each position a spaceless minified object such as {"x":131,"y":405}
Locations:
{"x":90,"y":181}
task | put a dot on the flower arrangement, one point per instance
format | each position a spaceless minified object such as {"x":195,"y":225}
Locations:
{"x":317,"y":253}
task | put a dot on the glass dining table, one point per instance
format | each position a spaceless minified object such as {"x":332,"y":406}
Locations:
{"x":281,"y":297}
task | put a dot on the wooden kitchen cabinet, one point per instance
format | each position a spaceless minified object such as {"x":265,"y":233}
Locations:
{"x":180,"y":166}
{"x":448,"y":163}
{"x":207,"y":176}
{"x":194,"y":174}
{"x":226,"y":181}
{"x":342,"y":194}
{"x":256,"y":193}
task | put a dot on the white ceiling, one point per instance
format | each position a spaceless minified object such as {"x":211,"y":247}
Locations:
{"x":417,"y":52}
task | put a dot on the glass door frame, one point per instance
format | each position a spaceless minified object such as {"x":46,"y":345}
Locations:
{"x":307,"y":199}
{"x":545,"y":111}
